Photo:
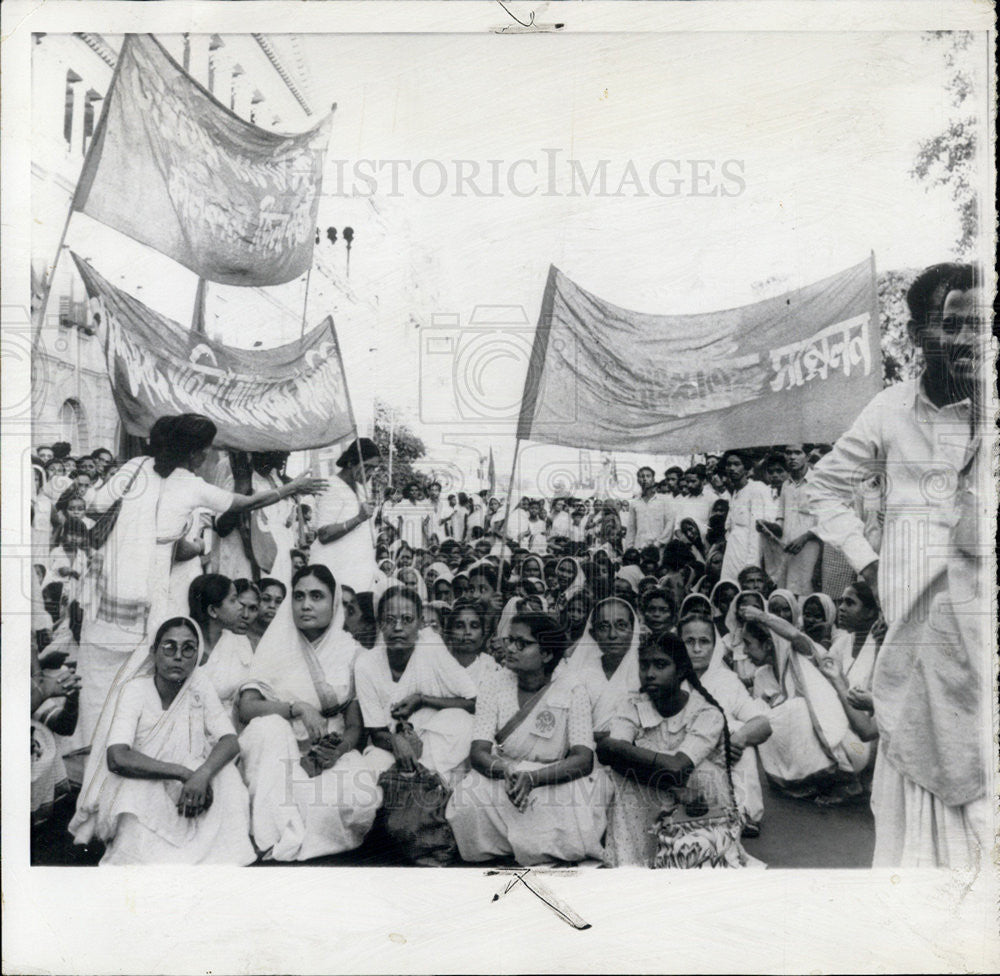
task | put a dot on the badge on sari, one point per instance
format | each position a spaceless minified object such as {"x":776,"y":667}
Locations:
{"x":545,"y":723}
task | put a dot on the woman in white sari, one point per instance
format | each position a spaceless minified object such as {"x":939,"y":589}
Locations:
{"x":607,"y":661}
{"x":813,"y":748}
{"x":409,"y":683}
{"x":160,"y":785}
{"x":532,"y":792}
{"x":131,"y":573}
{"x":312,"y":793}
{"x":215,"y":606}
{"x":465,"y":636}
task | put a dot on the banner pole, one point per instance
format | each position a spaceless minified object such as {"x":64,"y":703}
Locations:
{"x":305,"y":308}
{"x":354,"y":424}
{"x":506,"y":514}
{"x":200,"y":300}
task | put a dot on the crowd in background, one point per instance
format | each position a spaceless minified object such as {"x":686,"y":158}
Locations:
{"x":258,"y":667}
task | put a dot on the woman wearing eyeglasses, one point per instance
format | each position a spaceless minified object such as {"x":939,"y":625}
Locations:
{"x":160,"y":785}
{"x":532,"y":791}
{"x":411,"y":687}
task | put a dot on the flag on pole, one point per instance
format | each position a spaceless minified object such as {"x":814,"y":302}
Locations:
{"x":793,"y":368}
{"x":177,"y":171}
{"x":289,"y":398}
{"x":492,"y":474}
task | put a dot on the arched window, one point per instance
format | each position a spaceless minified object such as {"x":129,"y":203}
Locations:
{"x":73,"y":426}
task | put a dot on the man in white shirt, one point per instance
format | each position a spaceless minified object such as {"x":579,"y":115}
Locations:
{"x":516,"y":531}
{"x":344,"y":540}
{"x":562,"y":521}
{"x":651,"y":517}
{"x":750,"y":501}
{"x":537,"y":540}
{"x":412,"y":517}
{"x":695,"y":503}
{"x":441,"y":512}
{"x":796,"y":522}
{"x":929,"y":439}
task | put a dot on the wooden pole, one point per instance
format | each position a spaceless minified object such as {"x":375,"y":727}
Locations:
{"x":198,"y":315}
{"x":506,"y":514}
{"x":305,"y":305}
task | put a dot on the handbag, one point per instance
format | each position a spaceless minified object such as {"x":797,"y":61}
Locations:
{"x":414,"y":805}
{"x":693,"y":834}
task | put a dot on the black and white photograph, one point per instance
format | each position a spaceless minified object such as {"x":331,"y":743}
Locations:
{"x":551,"y":444}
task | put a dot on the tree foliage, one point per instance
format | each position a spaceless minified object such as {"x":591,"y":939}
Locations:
{"x":900,"y":360}
{"x":949,"y":158}
{"x":407,"y":448}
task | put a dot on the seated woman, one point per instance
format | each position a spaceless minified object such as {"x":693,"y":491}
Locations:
{"x":747,"y":716}
{"x":160,"y":785}
{"x":813,"y":749}
{"x":465,"y":636}
{"x":722,"y":595}
{"x":574,"y":618}
{"x":532,"y":791}
{"x":442,"y":590}
{"x":735,"y":653}
{"x":667,"y":748}
{"x":659,"y":611}
{"x":311,"y":791}
{"x":626,"y":584}
{"x":249,"y":595}
{"x":608,"y":664}
{"x":819,"y":618}
{"x":227,"y":653}
{"x":409,"y":679}
{"x":359,"y":616}
{"x":568,"y":579}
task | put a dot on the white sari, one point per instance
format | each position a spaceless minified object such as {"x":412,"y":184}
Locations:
{"x":138,"y":818}
{"x":296,"y":817}
{"x":446,"y":734}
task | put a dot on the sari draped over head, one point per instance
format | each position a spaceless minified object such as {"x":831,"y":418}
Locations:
{"x":289,"y":667}
{"x":632,"y":575}
{"x":442,"y":570}
{"x":691,"y":599}
{"x":137,"y":817}
{"x":713,"y":596}
{"x":829,"y":618}
{"x":585,"y":666}
{"x":539,"y":572}
{"x":719,"y":649}
{"x":99,"y":784}
{"x":414,"y":582}
{"x":789,"y":597}
{"x":578,"y":583}
{"x":289,"y":821}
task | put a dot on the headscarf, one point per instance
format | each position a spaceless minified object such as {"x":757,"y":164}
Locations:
{"x":734,"y":626}
{"x":632,"y":575}
{"x":586,"y":665}
{"x":829,"y":608}
{"x":716,"y":614}
{"x":100,"y":786}
{"x":420,"y":586}
{"x":789,"y":597}
{"x":540,"y":574}
{"x":442,"y":570}
{"x":695,"y":598}
{"x":289,"y":667}
{"x":578,"y":583}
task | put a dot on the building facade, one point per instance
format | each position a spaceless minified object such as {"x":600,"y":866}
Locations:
{"x":257,"y":76}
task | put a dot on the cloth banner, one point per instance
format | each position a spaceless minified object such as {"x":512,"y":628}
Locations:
{"x":289,"y":398}
{"x":176,"y":170}
{"x":798,"y":367}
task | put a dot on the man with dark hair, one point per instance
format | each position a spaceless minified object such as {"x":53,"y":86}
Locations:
{"x":672,"y":476}
{"x":440,"y":515}
{"x":61,"y":450}
{"x":44,"y":453}
{"x":651,"y":517}
{"x":694,"y":502}
{"x":749,"y":502}
{"x":412,"y":517}
{"x":931,"y":793}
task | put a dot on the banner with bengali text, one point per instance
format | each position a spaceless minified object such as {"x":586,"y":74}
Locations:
{"x":797,"y":367}
{"x":177,"y":171}
{"x":289,"y":398}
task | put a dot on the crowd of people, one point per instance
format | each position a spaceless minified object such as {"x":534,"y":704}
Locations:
{"x":251,"y":667}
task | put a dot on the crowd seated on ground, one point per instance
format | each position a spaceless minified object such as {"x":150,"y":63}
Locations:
{"x":558,"y":676}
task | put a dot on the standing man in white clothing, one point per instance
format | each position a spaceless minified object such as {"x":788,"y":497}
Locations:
{"x":749,"y":501}
{"x":412,"y":516}
{"x":344,"y":542}
{"x":651,"y":516}
{"x":441,"y":512}
{"x":929,"y":439}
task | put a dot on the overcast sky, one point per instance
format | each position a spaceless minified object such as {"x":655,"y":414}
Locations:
{"x":806,"y":139}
